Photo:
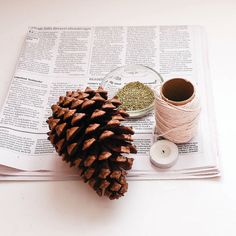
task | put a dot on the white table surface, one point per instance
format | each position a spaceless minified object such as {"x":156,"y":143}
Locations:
{"x":185,"y":207}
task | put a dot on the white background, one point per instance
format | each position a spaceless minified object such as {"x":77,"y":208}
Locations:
{"x":199,"y":207}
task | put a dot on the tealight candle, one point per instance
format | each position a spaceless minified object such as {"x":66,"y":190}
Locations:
{"x":164,"y":154}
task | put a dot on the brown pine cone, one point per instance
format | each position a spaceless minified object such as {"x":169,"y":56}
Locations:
{"x":86,"y":130}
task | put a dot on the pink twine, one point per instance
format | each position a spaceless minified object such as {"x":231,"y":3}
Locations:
{"x":176,"y":123}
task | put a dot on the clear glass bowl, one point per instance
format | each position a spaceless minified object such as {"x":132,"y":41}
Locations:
{"x":123,"y":75}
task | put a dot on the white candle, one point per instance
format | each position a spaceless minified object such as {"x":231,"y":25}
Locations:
{"x":164,"y":154}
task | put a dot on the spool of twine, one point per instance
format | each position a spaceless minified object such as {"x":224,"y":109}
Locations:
{"x":177,"y":109}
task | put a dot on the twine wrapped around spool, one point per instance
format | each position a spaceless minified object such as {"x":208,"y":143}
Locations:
{"x":177,"y":109}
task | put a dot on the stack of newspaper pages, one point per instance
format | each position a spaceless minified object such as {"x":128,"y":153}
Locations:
{"x":54,"y":60}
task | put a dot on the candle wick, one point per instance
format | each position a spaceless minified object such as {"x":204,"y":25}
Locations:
{"x":163,"y":151}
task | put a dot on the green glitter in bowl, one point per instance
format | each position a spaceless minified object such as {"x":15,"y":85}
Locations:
{"x":135,"y":96}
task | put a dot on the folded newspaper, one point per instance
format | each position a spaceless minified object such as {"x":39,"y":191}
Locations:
{"x":54,"y":60}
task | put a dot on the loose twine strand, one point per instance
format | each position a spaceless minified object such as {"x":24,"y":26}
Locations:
{"x":176,"y":123}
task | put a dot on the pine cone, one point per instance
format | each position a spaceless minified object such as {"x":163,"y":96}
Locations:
{"x":86,"y":130}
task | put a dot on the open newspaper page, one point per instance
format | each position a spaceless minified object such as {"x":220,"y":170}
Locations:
{"x":54,"y":60}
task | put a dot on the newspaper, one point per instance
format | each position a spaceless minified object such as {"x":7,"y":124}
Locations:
{"x":54,"y":60}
